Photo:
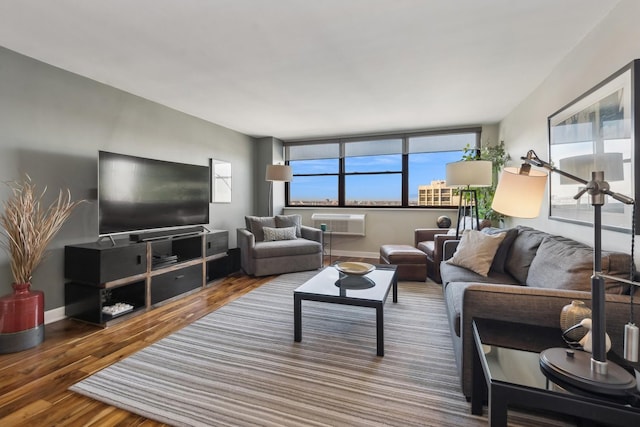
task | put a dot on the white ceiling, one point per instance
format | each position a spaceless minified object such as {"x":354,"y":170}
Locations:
{"x":310,"y":68}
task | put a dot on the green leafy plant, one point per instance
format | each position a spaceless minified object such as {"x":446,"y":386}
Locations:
{"x":499,"y":158}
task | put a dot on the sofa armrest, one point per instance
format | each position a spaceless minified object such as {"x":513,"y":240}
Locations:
{"x":448,"y":248}
{"x":311,"y":233}
{"x":246,"y":241}
{"x":533,"y":306}
{"x":438,"y":246}
{"x":426,"y":234}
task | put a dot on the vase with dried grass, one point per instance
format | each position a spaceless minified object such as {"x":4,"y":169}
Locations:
{"x":28,"y":226}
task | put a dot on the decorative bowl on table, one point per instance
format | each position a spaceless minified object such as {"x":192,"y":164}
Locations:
{"x":354,"y":268}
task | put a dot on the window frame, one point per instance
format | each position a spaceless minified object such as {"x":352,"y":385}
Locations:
{"x":342,"y":174}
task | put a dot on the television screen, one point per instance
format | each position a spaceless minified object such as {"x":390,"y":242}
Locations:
{"x":136,"y":193}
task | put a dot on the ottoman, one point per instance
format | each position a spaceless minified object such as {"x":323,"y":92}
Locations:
{"x":411,"y":262}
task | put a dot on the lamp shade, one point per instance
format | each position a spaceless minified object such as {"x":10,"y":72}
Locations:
{"x":519,"y":195}
{"x":279,"y":173}
{"x":474,"y":173}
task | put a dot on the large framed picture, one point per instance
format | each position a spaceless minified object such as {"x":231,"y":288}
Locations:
{"x":220,"y":181}
{"x":597,"y":132}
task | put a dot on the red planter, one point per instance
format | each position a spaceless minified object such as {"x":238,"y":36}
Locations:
{"x":21,"y":319}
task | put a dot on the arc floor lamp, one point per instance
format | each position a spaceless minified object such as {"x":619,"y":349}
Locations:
{"x":519,"y":194}
{"x":277,"y":173}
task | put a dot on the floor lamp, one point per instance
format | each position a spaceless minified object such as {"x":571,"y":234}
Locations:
{"x":467,"y":174}
{"x":277,"y":173}
{"x":519,"y":194}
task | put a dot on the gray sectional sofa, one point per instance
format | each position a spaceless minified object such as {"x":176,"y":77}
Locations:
{"x":285,"y":253}
{"x":533,"y":275}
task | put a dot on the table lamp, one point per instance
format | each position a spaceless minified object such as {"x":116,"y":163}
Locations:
{"x":519,"y":194}
{"x":466,"y":174}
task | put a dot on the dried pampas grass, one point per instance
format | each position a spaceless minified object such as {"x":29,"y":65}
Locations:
{"x":28,"y":227}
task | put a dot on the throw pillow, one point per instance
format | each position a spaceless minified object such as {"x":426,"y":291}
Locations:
{"x":255,"y":225}
{"x":503,"y":250}
{"x":284,"y":233}
{"x":290,"y":221}
{"x":476,"y":251}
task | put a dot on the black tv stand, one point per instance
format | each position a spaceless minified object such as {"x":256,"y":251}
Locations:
{"x":140,"y":276}
{"x":163,"y":234}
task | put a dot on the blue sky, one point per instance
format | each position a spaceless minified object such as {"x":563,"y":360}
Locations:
{"x":423,"y":168}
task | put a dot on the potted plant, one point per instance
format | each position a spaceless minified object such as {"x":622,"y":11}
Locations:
{"x":498,"y":157}
{"x":28,"y":226}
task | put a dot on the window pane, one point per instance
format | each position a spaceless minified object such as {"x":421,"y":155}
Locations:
{"x":443,"y":142}
{"x":373,"y":190}
{"x":388,"y":163}
{"x":313,"y":191}
{"x":427,"y":176}
{"x":312,"y":151}
{"x":307,"y":167}
{"x":373,"y":147}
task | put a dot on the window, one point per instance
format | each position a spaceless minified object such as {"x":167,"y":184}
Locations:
{"x":405,"y":170}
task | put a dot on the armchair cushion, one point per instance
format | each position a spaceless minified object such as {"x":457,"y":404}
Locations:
{"x":290,"y":221}
{"x":255,"y":225}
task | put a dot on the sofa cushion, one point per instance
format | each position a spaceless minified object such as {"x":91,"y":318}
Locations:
{"x":476,"y":251}
{"x":503,"y":250}
{"x":283,"y":248}
{"x":283,"y":233}
{"x":562,"y":263}
{"x":289,"y":221}
{"x":256,"y":223}
{"x":523,"y":250}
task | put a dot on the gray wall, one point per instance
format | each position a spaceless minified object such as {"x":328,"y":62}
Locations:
{"x":52,"y":124}
{"x":612,"y":44}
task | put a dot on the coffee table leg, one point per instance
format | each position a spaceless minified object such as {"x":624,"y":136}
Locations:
{"x":497,"y":407}
{"x":395,"y":288}
{"x":380,"y":329}
{"x":297,"y":318}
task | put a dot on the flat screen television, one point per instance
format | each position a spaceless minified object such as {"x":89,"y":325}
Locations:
{"x":136,"y":194}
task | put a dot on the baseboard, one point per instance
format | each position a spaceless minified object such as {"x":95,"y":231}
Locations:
{"x":355,"y":254}
{"x":54,"y":315}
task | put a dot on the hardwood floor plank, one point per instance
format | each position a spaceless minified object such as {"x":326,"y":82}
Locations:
{"x":34,"y":382}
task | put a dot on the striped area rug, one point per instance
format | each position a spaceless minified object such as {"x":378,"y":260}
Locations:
{"x":239,"y":366}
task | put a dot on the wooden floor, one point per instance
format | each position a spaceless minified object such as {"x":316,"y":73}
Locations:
{"x":34,"y":383}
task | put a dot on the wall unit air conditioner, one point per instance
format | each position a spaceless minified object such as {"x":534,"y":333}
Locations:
{"x":345,"y":224}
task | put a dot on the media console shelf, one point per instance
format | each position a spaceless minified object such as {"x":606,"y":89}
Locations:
{"x":112,"y":282}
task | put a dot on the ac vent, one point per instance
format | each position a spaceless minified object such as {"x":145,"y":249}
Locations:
{"x":346,"y":224}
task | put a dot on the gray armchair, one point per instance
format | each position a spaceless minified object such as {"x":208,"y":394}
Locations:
{"x":262,"y":258}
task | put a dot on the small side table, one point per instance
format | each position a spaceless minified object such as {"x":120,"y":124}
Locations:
{"x":500,"y":346}
{"x":326,"y":247}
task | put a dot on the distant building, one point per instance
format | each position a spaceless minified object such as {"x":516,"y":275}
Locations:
{"x":437,"y":194}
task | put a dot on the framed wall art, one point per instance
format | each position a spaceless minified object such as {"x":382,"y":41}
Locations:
{"x":597,"y":132}
{"x":220,"y":181}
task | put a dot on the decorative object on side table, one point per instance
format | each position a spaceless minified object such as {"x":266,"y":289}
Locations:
{"x":571,"y":315}
{"x":28,"y":228}
{"x":443,"y":221}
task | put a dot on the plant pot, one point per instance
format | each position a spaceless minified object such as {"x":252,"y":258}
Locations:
{"x":21,"y":319}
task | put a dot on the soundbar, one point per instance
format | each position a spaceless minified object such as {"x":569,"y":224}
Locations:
{"x":155,"y":235}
